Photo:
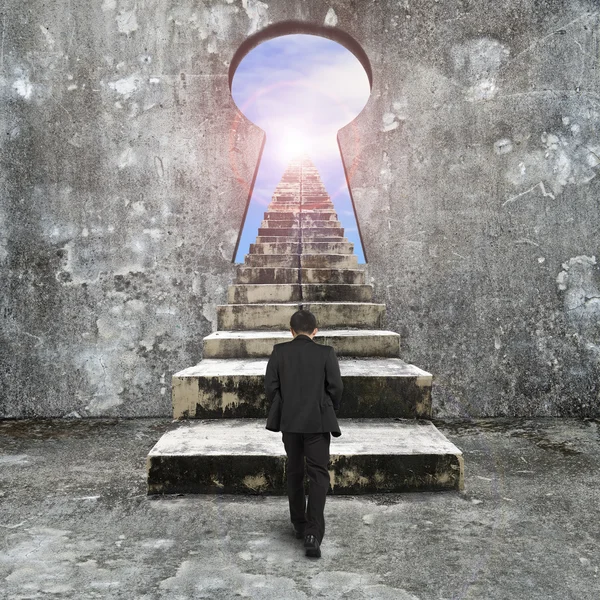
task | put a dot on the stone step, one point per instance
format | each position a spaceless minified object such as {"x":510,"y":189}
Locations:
{"x":288,"y":261}
{"x":268,"y":275}
{"x":293,"y":231}
{"x":239,"y":456}
{"x":307,"y":247}
{"x":260,"y":293}
{"x":315,"y":207}
{"x":320,"y":237}
{"x":295,"y":275}
{"x":294,"y":197}
{"x":296,"y":209}
{"x":303,"y":224}
{"x":280,"y":224}
{"x":295,"y":202}
{"x":278,"y":247}
{"x":231,"y":388}
{"x":356,"y":276}
{"x":347,"y":342}
{"x":266,"y":239}
{"x":263,"y":293}
{"x":326,"y":247}
{"x":347,"y":315}
{"x":307,"y":219}
{"x":323,"y":215}
{"x":336,"y":292}
{"x":328,"y":261}
{"x":307,"y":261}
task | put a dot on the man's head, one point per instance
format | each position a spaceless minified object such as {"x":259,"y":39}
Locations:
{"x":303,"y":322}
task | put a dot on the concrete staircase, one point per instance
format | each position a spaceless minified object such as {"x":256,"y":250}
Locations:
{"x":301,"y":259}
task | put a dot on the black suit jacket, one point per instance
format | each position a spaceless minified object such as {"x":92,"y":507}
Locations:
{"x":305,"y":377}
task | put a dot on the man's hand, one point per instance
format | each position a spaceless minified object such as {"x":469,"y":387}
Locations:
{"x":333,"y":379}
{"x":272,"y":385}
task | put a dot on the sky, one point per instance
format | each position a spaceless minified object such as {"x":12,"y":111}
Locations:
{"x":300,"y":90}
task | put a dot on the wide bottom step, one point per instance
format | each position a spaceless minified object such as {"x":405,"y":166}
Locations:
{"x":240,"y":456}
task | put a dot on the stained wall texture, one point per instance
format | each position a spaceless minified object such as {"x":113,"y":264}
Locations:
{"x":126,"y":169}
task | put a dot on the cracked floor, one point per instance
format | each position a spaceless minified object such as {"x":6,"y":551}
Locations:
{"x":75,"y":522}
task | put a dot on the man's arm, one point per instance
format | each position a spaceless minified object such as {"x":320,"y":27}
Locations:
{"x":272,"y":386}
{"x":333,"y":379}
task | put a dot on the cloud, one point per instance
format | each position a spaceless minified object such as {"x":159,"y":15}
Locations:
{"x":300,"y":78}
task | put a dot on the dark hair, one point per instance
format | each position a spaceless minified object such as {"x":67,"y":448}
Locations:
{"x":303,"y":321}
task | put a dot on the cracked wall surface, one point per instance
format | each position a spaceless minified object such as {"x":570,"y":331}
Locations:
{"x":126,"y":169}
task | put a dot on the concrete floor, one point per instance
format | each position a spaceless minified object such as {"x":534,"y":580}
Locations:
{"x":75,"y":522}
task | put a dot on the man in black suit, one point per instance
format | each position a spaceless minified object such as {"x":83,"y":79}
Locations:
{"x":305,"y":378}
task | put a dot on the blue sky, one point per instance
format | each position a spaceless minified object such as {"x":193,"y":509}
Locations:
{"x":300,"y":86}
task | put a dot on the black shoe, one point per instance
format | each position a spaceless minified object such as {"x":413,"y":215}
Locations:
{"x":312,"y":546}
{"x":299,"y":534}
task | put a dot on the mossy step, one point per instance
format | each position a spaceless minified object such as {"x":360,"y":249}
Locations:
{"x":295,"y":275}
{"x":294,"y":247}
{"x":347,"y":342}
{"x":232,"y":388}
{"x":281,"y":207}
{"x":266,"y":239}
{"x":240,"y":456}
{"x":276,"y":316}
{"x":294,"y":231}
{"x":301,"y":224}
{"x":308,"y":261}
{"x":281,"y":215}
{"x":264,"y":293}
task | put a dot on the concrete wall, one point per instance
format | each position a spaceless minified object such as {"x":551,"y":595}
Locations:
{"x":126,"y":170}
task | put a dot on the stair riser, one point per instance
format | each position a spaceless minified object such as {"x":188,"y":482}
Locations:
{"x":304,"y":216}
{"x":268,"y":275}
{"x":269,"y":239}
{"x":333,"y":276}
{"x":275,"y":248}
{"x":248,"y":317}
{"x":306,"y":224}
{"x":261,"y":293}
{"x":307,"y":247}
{"x":294,"y":232}
{"x":321,"y":198}
{"x":366,"y":346}
{"x":328,"y":261}
{"x":258,"y":294}
{"x":315,"y":261}
{"x":290,"y":261}
{"x":295,"y":210}
{"x":266,"y":475}
{"x":347,"y":315}
{"x":243,"y":396}
{"x":326,"y":292}
{"x":321,"y":247}
{"x":292,"y":275}
{"x":322,"y":237}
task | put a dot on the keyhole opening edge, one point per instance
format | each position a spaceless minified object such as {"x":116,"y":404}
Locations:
{"x":288,"y":28}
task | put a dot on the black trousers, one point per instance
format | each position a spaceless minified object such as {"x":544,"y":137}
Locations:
{"x":315,"y":447}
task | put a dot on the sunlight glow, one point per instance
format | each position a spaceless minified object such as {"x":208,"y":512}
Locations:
{"x":293,"y":144}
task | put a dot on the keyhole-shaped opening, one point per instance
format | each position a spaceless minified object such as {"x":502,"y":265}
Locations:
{"x":300,"y":89}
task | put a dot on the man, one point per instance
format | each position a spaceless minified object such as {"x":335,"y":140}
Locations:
{"x":304,"y":377}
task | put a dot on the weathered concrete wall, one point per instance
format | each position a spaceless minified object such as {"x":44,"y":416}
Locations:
{"x":478,"y":199}
{"x":122,"y":191}
{"x":126,"y":167}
